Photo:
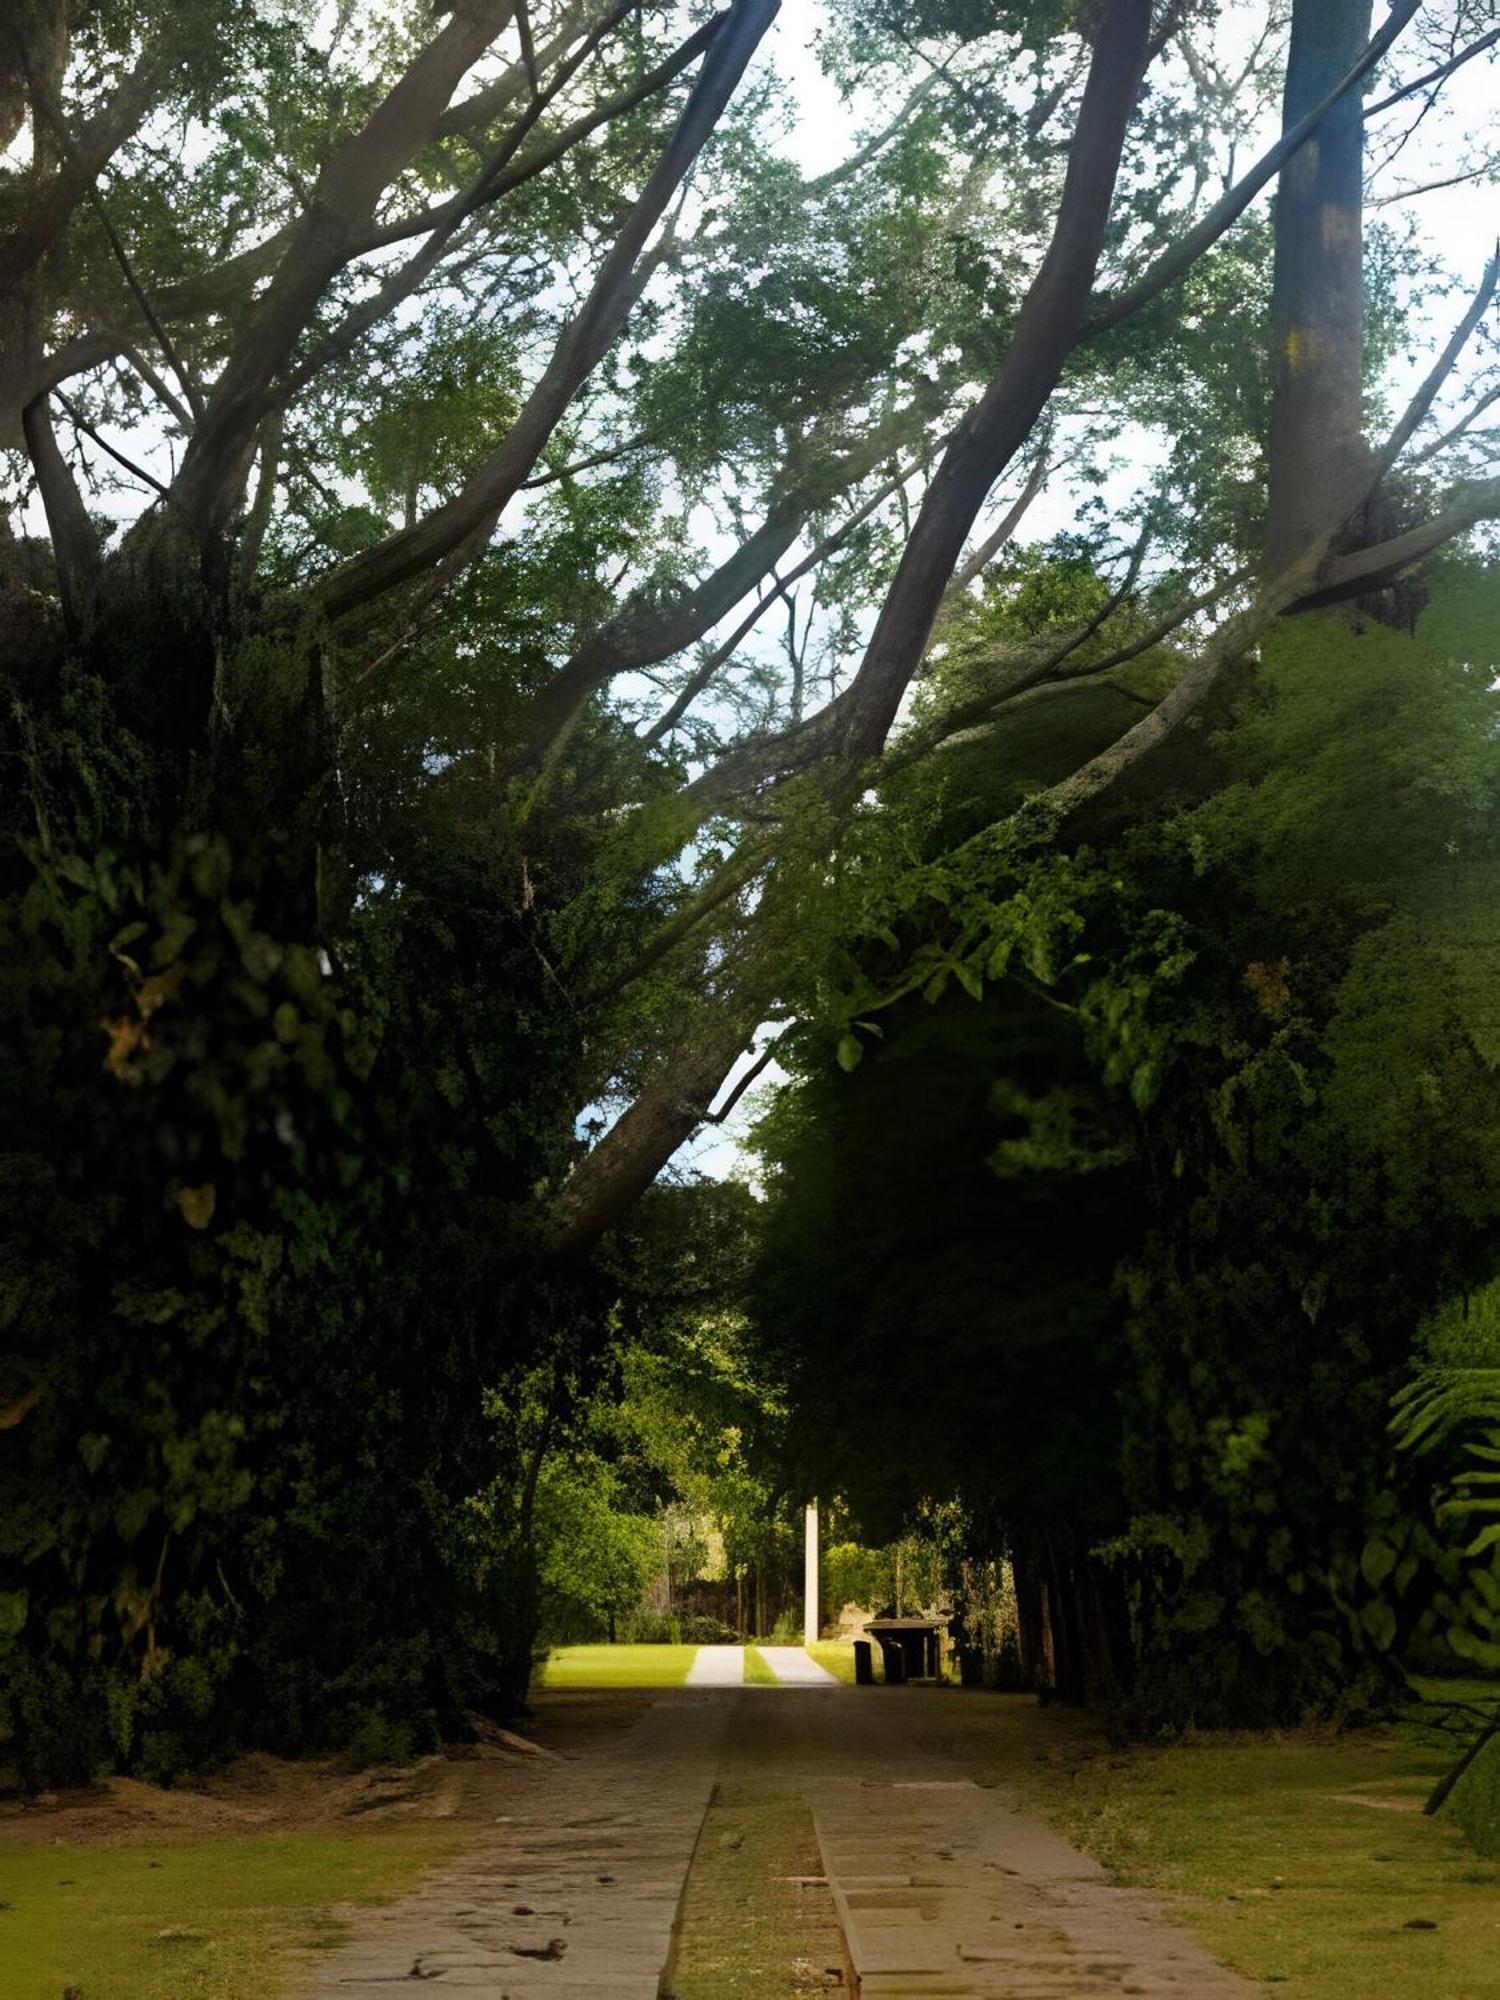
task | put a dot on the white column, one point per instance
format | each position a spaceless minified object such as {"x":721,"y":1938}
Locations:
{"x":810,"y":1577}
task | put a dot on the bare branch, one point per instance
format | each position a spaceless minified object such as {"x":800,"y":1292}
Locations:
{"x":1434,"y":76}
{"x":721,"y":655}
{"x":81,"y":423}
{"x":1415,"y":413}
{"x":1004,"y":530}
{"x":1175,"y":262}
{"x":821,"y":184}
{"x":608,"y":455}
{"x":1431,"y":187}
{"x":179,"y":411}
{"x":162,"y":337}
{"x":1455,"y":431}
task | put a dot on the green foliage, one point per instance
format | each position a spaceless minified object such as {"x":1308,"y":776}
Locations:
{"x":1167,"y":1145}
{"x":594,"y":1560}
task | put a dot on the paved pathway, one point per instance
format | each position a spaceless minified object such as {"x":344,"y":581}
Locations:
{"x":941,"y":1885}
{"x":717,"y":1666}
{"x":796,"y":1667}
{"x":576,"y":1892}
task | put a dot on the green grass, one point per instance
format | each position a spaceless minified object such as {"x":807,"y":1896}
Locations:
{"x":837,"y":1655}
{"x":758,"y":1672}
{"x":1302,"y":1859}
{"x":757,"y":1921}
{"x":616,"y":1666}
{"x":221,"y":1919}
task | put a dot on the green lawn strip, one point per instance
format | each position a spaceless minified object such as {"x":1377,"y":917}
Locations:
{"x":837,"y":1655}
{"x":617,"y":1666}
{"x":757,"y":1922}
{"x":758,"y":1671}
{"x":1304,"y":1860}
{"x":221,"y":1919}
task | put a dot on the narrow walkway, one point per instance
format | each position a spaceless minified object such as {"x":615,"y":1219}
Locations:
{"x":795,"y":1666}
{"x":575,"y":1896}
{"x":717,"y":1666}
{"x":941,"y":1886}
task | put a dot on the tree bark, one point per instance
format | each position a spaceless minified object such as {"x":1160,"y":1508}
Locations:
{"x":1049,"y":326}
{"x":464,"y":524}
{"x":1317,"y":450}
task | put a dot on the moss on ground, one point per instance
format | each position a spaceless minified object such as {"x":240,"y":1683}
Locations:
{"x":216,"y":1919}
{"x":757,"y":1920}
{"x":616,"y":1666}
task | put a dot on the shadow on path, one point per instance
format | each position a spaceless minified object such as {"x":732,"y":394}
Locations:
{"x":940,"y":1884}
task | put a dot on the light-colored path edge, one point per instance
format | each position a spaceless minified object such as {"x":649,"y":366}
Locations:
{"x":794,"y":1666}
{"x":717,"y":1666}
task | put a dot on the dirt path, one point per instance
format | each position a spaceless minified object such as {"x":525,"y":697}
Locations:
{"x":940,"y":1885}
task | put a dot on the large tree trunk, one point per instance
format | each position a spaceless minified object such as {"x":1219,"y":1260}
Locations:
{"x":1317,"y":449}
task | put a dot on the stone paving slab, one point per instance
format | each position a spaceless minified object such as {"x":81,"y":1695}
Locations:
{"x":942,"y":1888}
{"x":575,"y":1894}
{"x":717,"y":1666}
{"x":796,"y":1666}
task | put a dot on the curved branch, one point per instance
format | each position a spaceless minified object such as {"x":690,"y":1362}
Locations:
{"x":461,"y":527}
{"x":349,"y":186}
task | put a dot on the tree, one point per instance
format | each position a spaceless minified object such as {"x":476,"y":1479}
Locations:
{"x":331,"y":807}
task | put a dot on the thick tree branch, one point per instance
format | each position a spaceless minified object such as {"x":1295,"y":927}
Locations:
{"x":1366,"y":570}
{"x":459,"y":529}
{"x":75,"y":546}
{"x":344,"y":200}
{"x":1049,"y":325}
{"x":606,"y":1182}
{"x":84,"y":157}
{"x":500,"y":174}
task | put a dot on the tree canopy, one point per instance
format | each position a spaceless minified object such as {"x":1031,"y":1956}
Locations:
{"x":527,"y":571}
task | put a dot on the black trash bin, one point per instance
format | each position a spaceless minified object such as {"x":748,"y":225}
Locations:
{"x":864,"y":1663}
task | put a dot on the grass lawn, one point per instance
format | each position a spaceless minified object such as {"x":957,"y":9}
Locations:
{"x":837,"y":1655}
{"x":758,"y":1672}
{"x":1304,"y":1860}
{"x":616,"y":1666}
{"x":219,"y":1919}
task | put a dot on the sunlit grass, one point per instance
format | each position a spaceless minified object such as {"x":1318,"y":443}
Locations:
{"x":616,"y":1666}
{"x":219,"y":1919}
{"x":758,"y":1670}
{"x":837,"y":1656}
{"x":1304,"y":1861}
